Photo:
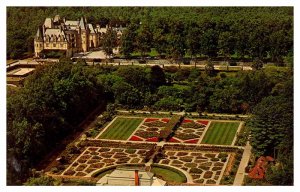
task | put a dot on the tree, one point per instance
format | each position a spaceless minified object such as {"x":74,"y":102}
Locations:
{"x":135,"y":76}
{"x":127,"y":41}
{"x":126,"y":94}
{"x":143,"y":40}
{"x":176,"y":41}
{"x":209,"y":41}
{"x":53,"y":101}
{"x":209,"y":68}
{"x":257,"y":64}
{"x":109,"y":41}
{"x":193,"y":39}
{"x":40,"y":181}
{"x":272,"y":120}
{"x":156,"y":77}
{"x":226,"y":44}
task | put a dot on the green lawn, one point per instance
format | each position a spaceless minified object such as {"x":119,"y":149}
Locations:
{"x":121,"y":128}
{"x":168,"y":174}
{"x":220,"y":133}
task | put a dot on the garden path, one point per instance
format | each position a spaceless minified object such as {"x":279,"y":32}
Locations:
{"x":180,"y":113}
{"x":239,"y":178}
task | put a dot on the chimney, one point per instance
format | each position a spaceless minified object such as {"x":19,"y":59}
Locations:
{"x":136,"y":178}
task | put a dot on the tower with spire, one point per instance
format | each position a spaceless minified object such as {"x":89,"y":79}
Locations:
{"x":84,"y":34}
{"x":38,"y":43}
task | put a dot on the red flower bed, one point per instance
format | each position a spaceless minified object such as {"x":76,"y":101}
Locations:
{"x":135,"y":138}
{"x":150,"y":119}
{"x":152,"y":139}
{"x":165,"y":120}
{"x":203,"y":122}
{"x":173,"y":140}
{"x":187,"y":121}
{"x":191,"y":141}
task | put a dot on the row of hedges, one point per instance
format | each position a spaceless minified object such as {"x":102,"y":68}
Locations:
{"x":174,"y":122}
{"x":116,"y":144}
{"x":178,"y":147}
{"x":229,"y":179}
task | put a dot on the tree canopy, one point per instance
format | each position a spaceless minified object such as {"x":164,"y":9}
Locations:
{"x":265,"y":33}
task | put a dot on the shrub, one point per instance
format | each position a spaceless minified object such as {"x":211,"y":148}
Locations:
{"x":206,"y":164}
{"x":186,"y":159}
{"x":211,"y":181}
{"x":207,"y":174}
{"x":222,"y":155}
{"x":209,"y":155}
{"x":54,"y":170}
{"x":186,"y":136}
{"x":104,"y":149}
{"x":182,"y":153}
{"x":191,"y":165}
{"x":219,"y":164}
{"x":204,"y":168}
{"x":177,"y":162}
{"x":130,"y":151}
{"x":215,"y":159}
{"x":217,"y":168}
{"x":195,"y":170}
{"x":223,"y":159}
{"x":199,"y":181}
{"x":69,"y":172}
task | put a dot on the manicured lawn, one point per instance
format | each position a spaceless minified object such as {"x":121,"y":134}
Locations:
{"x":220,"y":133}
{"x":169,"y":175}
{"x":121,"y":128}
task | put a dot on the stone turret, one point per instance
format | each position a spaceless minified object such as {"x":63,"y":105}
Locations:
{"x":84,"y":35}
{"x":38,"y":43}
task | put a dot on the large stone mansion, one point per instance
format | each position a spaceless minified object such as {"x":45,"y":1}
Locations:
{"x":59,"y":34}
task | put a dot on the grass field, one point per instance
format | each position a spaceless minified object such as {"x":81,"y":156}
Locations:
{"x":220,"y":133}
{"x":121,"y":128}
{"x":168,"y":175}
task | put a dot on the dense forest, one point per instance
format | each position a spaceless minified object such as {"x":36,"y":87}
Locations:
{"x":265,"y":33}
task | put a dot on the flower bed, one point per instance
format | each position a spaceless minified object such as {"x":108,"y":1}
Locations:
{"x":186,"y":136}
{"x":150,"y":120}
{"x":152,"y":129}
{"x":203,"y":122}
{"x":187,"y":121}
{"x":194,"y":141}
{"x":147,"y":134}
{"x":152,"y":139}
{"x":156,"y":123}
{"x":173,"y":140}
{"x":135,"y":138}
{"x":165,"y":120}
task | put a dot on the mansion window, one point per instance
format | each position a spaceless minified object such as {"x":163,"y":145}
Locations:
{"x":47,"y":44}
{"x":54,"y":45}
{"x":61,"y":45}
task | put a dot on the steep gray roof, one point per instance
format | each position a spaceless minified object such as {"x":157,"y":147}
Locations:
{"x":81,"y":23}
{"x":71,"y":22}
{"x":48,"y":23}
{"x":39,"y":35}
{"x":91,"y":28}
{"x":55,"y":33}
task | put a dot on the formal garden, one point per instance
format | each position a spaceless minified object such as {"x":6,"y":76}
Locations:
{"x":192,"y":152}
